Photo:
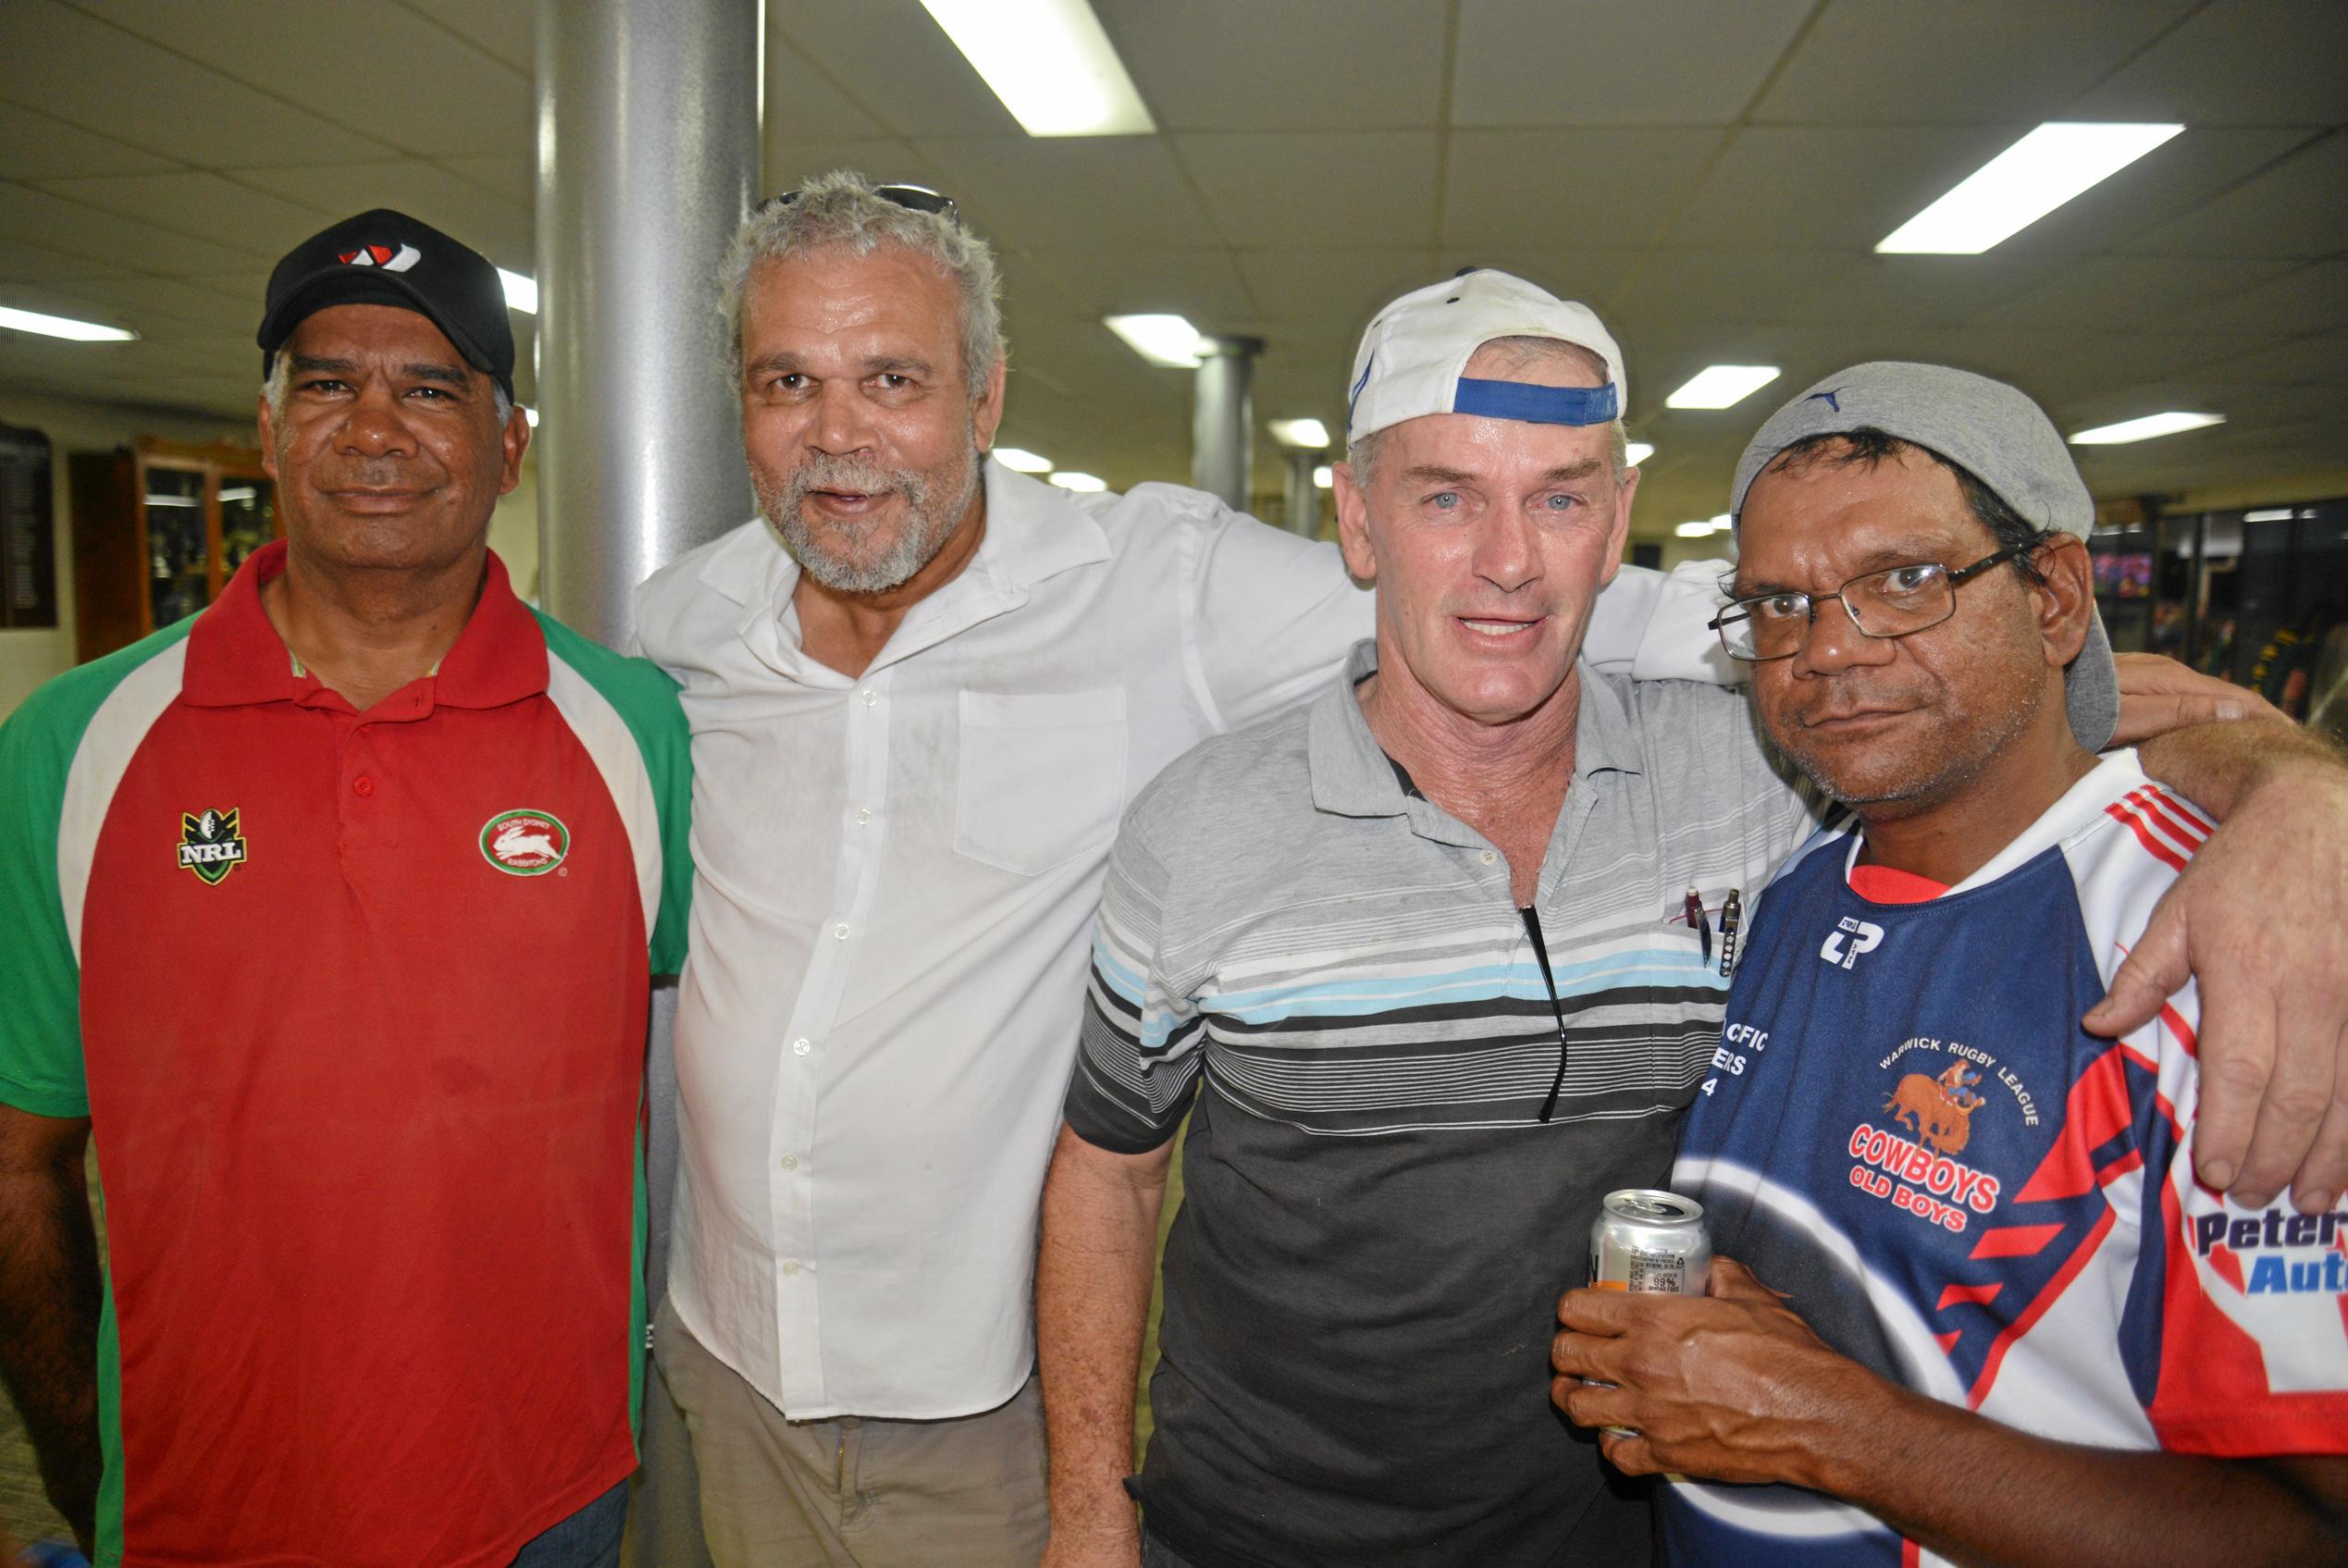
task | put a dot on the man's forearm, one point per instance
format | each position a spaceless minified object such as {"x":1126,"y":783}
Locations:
{"x":49,"y":1294}
{"x":1092,"y":1276}
{"x":1980,"y":1493}
{"x":2217,"y":766}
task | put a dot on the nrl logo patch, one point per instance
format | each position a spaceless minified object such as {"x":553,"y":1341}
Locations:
{"x":211,"y":845}
{"x":525,"y":843}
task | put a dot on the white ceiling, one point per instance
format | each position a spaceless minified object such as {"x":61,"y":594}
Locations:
{"x":1712,"y":174}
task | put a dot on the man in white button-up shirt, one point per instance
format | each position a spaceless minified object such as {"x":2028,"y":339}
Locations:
{"x":914,"y":731}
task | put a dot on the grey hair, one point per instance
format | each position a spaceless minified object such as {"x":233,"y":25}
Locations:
{"x":843,"y":209}
{"x":1361,"y":453}
{"x":275,"y":387}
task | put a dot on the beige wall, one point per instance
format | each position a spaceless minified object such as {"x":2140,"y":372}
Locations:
{"x":28,"y":657}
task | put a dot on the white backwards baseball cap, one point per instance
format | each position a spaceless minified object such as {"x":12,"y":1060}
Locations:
{"x":1413,"y":357}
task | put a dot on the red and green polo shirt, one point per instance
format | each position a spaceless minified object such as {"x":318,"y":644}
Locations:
{"x":355,"y":1004}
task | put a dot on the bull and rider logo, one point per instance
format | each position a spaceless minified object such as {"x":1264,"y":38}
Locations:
{"x":211,"y":844}
{"x":1938,"y":1110}
{"x":525,"y":843}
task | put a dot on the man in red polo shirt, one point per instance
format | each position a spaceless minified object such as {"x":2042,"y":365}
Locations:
{"x":328,"y":913}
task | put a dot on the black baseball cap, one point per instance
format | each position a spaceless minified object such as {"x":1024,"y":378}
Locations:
{"x":388,"y":259}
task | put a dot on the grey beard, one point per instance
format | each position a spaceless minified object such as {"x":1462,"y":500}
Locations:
{"x":930,"y":519}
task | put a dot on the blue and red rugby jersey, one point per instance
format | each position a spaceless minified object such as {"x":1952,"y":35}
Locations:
{"x":355,"y":1004}
{"x":1907,"y":1129}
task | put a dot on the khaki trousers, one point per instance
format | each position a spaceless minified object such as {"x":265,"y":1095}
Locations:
{"x":855,"y":1492}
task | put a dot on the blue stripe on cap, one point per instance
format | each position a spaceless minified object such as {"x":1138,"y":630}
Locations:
{"x":1536,"y":405}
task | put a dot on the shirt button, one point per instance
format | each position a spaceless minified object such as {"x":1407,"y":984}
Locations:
{"x":790,"y":1162}
{"x":801,"y":1047}
{"x":840,"y":931}
{"x":864,"y":813}
{"x":1487,"y":857}
{"x":790,"y":1268}
{"x":362,"y":785}
{"x":870,"y":698}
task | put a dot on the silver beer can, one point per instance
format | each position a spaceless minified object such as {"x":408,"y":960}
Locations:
{"x":1646,"y":1239}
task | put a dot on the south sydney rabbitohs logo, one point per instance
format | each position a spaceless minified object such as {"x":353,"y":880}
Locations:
{"x":525,"y":843}
{"x":211,"y":844}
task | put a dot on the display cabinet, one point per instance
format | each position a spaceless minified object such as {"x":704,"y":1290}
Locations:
{"x":158,"y":528}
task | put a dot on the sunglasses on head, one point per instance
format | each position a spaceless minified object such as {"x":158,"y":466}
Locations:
{"x":913,"y":198}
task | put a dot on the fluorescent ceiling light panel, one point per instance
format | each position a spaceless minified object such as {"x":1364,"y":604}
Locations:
{"x":1722,"y":386}
{"x":2143,"y":429}
{"x":531,"y":414}
{"x":521,"y":294}
{"x":1050,"y":64}
{"x":247,"y":493}
{"x":1722,"y":523}
{"x":1637,"y":452}
{"x":1321,"y":480}
{"x":1161,"y":339}
{"x":1021,"y":461}
{"x":1308,"y":435}
{"x":2272,"y":514}
{"x":1073,"y":481}
{"x":1696,"y":530}
{"x":2022,"y":185}
{"x":63,"y":326}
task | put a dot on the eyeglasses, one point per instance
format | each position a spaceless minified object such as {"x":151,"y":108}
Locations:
{"x":913,"y":198}
{"x":1891,"y":603}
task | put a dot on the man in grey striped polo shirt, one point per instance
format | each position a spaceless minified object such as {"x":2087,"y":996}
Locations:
{"x":1445,"y":1001}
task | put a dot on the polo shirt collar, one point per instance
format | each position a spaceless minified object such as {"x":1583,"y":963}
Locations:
{"x":235,"y":656}
{"x":1034,"y":531}
{"x":1354,"y":777}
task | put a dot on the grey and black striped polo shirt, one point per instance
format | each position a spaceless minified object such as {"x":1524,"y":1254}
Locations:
{"x":1361,"y":1284}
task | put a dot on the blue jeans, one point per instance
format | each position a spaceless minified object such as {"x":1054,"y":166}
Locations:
{"x":589,"y":1538}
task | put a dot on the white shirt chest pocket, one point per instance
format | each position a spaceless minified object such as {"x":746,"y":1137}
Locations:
{"x":1042,"y":776}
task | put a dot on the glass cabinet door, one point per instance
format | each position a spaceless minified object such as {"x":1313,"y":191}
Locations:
{"x":178,"y":558}
{"x":248,"y":519}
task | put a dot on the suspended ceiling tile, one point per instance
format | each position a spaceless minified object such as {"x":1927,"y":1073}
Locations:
{"x":76,"y":229}
{"x":494,"y":225}
{"x":2236,"y":62}
{"x":1896,"y":293}
{"x":1110,"y":192}
{"x":32,"y":264}
{"x":2309,"y":362}
{"x":1742,"y":284}
{"x":892,"y":59}
{"x":1304,"y":65}
{"x":803,"y":100}
{"x":424,"y":90}
{"x":506,"y":30}
{"x":2313,"y":298}
{"x":33,"y":146}
{"x":1317,"y":188}
{"x":76,"y":67}
{"x":1591,"y":276}
{"x":2297,"y":208}
{"x":514,"y":178}
{"x":2121,"y":293}
{"x":1601,"y":62}
{"x":158,"y":305}
{"x":1876,"y":63}
{"x":1203,"y":285}
{"x":1568,"y":189}
{"x":1343,"y":288}
{"x":207,"y":207}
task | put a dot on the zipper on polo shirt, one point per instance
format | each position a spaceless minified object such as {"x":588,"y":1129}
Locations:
{"x":1532,"y":919}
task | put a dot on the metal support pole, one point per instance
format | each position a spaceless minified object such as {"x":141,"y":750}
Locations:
{"x":648,"y":160}
{"x":1303,"y":514}
{"x":1223,"y":418}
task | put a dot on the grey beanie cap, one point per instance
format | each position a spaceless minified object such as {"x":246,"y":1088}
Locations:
{"x":1995,"y":432}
